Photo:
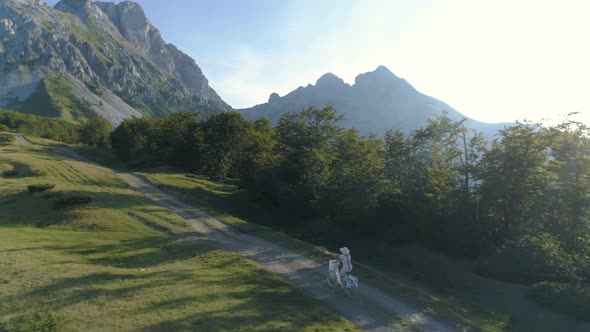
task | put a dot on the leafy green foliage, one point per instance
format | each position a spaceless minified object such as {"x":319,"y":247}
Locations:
{"x":530,"y":259}
{"x":72,"y":200}
{"x":5,"y":138}
{"x":223,"y":136}
{"x":39,"y":188}
{"x":29,"y":124}
{"x":131,"y":138}
{"x":519,"y":205}
{"x":96,"y":131}
{"x":568,"y":299}
{"x":515,"y":176}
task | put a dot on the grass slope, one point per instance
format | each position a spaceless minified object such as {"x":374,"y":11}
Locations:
{"x":446,"y":287}
{"x":123,"y":263}
{"x":54,"y":97}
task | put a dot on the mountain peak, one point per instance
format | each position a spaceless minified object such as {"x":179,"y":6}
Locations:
{"x":381,"y":72}
{"x":382,"y":68}
{"x":110,"y":54}
{"x":274,"y":97}
{"x":329,"y":79}
{"x":381,"y":75}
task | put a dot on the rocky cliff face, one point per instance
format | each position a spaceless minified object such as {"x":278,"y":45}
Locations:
{"x":130,"y":20}
{"x":378,"y":101}
{"x":107,"y":57}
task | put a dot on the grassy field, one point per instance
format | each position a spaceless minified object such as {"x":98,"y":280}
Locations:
{"x":120,"y":262}
{"x":446,"y":287}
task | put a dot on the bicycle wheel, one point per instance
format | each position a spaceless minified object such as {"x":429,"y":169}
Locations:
{"x":351,"y":287}
{"x":331,"y":279}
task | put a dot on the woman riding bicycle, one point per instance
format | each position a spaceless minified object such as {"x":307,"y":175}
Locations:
{"x":346,"y":265}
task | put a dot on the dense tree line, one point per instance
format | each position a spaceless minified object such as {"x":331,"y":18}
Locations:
{"x":34,"y":125}
{"x":519,"y":203}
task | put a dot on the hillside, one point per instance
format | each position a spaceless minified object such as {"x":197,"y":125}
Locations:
{"x":122,"y":262}
{"x":376,"y":102}
{"x":85,"y":57}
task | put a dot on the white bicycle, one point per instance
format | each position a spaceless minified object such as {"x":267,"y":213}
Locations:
{"x":350,"y":282}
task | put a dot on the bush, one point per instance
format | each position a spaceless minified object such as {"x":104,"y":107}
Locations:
{"x":43,"y":321}
{"x":5,"y":138}
{"x":567,"y":299}
{"x":39,"y":188}
{"x":73,"y":201}
{"x":52,"y":195}
{"x":55,"y":129}
{"x":10,"y":173}
{"x":531,"y":259}
{"x":96,"y":132}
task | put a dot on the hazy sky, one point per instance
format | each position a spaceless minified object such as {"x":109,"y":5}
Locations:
{"x":496,"y":60}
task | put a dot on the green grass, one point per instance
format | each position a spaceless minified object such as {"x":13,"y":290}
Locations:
{"x":122,"y":263}
{"x":444,"y":286}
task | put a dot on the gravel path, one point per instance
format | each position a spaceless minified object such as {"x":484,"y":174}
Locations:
{"x":370,"y":308}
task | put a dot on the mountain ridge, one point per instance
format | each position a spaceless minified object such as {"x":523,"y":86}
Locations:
{"x":377,"y":101}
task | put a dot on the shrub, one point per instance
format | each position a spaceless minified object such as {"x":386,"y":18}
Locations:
{"x":10,"y":173}
{"x":5,"y":138}
{"x":20,"y":170}
{"x":34,"y":125}
{"x":52,"y":195}
{"x":43,"y":321}
{"x":567,"y":299}
{"x":531,"y":259}
{"x":73,"y":201}
{"x":39,"y":188}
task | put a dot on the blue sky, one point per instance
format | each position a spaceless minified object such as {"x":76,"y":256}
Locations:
{"x":491,"y":60}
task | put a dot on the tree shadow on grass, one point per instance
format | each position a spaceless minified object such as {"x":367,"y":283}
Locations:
{"x":145,"y":252}
{"x":263,"y":302}
{"x":208,"y":298}
{"x":42,"y":210}
{"x":137,"y":255}
{"x":20,"y":170}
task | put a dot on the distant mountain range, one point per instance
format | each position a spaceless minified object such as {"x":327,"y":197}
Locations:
{"x":83,"y":57}
{"x":376,"y":102}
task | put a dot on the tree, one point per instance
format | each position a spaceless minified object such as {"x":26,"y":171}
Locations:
{"x":96,"y":132}
{"x":133,"y":138}
{"x":515,"y":176}
{"x":307,"y":141}
{"x":176,"y":139}
{"x":568,"y":204}
{"x":223,"y":141}
{"x":258,"y":157}
{"x":352,"y":193}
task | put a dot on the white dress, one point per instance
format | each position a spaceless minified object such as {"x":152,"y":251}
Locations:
{"x":346,"y":264}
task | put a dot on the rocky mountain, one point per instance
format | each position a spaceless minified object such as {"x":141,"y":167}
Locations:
{"x":378,"y":101}
{"x":83,"y":57}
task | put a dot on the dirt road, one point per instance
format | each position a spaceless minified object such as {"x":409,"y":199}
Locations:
{"x":371,"y":309}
